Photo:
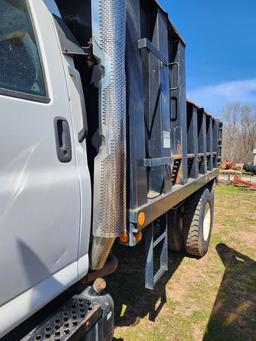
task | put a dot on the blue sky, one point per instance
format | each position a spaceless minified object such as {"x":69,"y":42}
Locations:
{"x":221,"y":49}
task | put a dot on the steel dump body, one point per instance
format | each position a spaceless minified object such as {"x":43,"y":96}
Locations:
{"x":173,"y":145}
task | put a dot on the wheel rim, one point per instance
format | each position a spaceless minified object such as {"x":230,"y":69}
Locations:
{"x":207,"y":221}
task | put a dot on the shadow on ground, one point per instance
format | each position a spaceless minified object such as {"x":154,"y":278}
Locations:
{"x":234,"y":313}
{"x":132,"y":301}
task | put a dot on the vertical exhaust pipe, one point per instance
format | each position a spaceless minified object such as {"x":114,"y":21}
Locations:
{"x":109,"y":211}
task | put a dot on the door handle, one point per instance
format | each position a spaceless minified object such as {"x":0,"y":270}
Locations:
{"x":63,"y":139}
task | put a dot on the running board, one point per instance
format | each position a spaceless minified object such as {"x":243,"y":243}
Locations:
{"x":72,"y":321}
{"x":84,"y":317}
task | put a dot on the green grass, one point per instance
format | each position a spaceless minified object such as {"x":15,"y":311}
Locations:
{"x":209,"y":299}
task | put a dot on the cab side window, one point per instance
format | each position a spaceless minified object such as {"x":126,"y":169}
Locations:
{"x":20,"y":64}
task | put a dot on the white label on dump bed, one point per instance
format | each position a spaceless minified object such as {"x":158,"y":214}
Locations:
{"x":167,"y":139}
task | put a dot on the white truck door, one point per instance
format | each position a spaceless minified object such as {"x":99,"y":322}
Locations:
{"x":39,"y":185}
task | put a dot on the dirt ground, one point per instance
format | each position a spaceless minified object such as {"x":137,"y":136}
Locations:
{"x":209,"y":299}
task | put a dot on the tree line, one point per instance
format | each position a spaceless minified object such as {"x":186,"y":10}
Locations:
{"x":239,"y":132}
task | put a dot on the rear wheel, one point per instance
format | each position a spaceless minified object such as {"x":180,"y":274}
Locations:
{"x":198,"y":222}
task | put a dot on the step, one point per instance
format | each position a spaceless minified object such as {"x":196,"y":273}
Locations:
{"x":70,"y":322}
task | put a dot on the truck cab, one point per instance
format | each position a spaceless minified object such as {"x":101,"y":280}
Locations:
{"x":45,"y":195}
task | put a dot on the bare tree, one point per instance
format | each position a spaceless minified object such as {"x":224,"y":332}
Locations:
{"x":239,"y":135}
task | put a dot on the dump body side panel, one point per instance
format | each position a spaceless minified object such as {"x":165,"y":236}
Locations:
{"x":173,"y":147}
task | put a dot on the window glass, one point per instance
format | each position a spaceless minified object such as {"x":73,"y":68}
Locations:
{"x":20,"y":65}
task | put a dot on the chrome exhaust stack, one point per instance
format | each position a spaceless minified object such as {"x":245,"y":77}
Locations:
{"x":109,"y":211}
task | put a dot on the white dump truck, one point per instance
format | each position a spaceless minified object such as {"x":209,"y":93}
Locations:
{"x":98,"y":146}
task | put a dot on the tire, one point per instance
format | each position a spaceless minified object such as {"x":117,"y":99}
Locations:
{"x":175,"y":226}
{"x":198,"y":222}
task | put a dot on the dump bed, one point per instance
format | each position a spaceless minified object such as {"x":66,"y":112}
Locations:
{"x":174,"y":145}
